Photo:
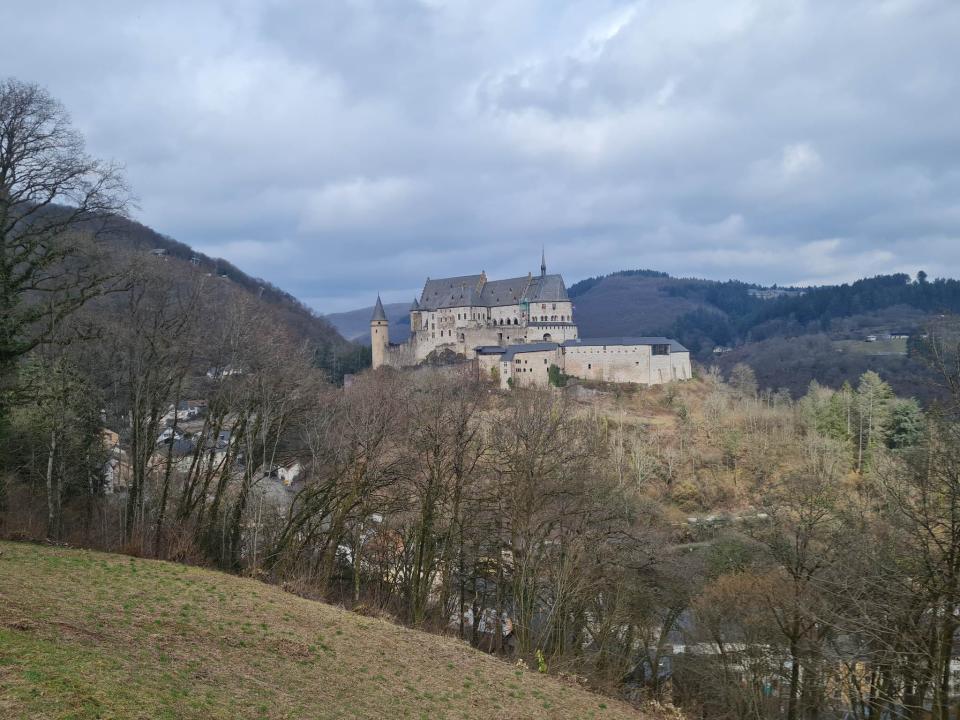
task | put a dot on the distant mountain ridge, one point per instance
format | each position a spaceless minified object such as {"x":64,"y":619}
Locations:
{"x":354,"y":325}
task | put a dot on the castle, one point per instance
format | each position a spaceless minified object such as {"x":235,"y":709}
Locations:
{"x":515,"y":330}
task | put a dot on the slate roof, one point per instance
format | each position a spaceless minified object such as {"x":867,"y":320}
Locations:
{"x":528,"y":347}
{"x":594,"y":342}
{"x":490,"y":349}
{"x":472,"y":291}
{"x":378,"y":313}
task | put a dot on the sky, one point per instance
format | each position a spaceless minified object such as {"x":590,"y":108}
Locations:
{"x":341,"y":149}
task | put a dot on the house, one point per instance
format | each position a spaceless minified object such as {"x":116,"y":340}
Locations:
{"x":186,"y":410}
{"x":899,"y":335}
{"x":772,"y":293}
{"x":116,"y":469}
{"x":870,"y":338}
{"x":169,"y":434}
{"x":287,"y":472}
{"x":216,"y":373}
{"x":117,"y":472}
{"x":159,"y":252}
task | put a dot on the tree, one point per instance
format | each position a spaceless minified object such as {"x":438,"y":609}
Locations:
{"x":904,"y":427}
{"x":803,"y":540}
{"x":556,"y":377}
{"x":743,"y":380}
{"x":53,"y":195}
{"x":873,"y":410}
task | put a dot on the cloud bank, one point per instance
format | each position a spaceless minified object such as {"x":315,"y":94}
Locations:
{"x":345,"y":148}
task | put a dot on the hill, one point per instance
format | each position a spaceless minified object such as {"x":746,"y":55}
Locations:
{"x":332,"y":351}
{"x":355,"y":324}
{"x":821,"y":333}
{"x":92,"y":635}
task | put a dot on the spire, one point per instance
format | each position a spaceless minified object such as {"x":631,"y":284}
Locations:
{"x":415,"y":306}
{"x":378,"y":313}
{"x":543,"y":261}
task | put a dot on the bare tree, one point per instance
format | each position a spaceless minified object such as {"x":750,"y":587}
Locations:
{"x":52,"y":196}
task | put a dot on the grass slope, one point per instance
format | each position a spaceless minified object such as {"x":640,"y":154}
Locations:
{"x":92,"y":635}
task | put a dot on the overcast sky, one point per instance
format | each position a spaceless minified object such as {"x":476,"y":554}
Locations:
{"x":338,"y":149}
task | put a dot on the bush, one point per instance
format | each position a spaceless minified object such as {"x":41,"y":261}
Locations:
{"x":556,"y":377}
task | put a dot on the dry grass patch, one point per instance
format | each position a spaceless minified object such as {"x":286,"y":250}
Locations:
{"x":92,"y":635}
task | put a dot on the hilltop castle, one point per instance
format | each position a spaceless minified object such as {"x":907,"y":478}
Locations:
{"x":515,"y":329}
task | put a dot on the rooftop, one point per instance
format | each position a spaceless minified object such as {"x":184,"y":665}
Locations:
{"x":512,"y":350}
{"x":595,"y":342}
{"x":477,"y":291}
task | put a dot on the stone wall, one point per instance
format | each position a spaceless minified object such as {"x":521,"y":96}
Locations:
{"x":399,"y":356}
{"x":626,"y":363}
{"x":529,"y":368}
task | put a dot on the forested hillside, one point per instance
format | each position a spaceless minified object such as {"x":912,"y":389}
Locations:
{"x":705,"y":314}
{"x":332,"y":352}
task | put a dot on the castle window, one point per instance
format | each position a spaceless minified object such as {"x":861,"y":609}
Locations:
{"x":589,"y":366}
{"x":661,"y":350}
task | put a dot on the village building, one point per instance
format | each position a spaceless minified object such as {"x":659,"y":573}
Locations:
{"x":515,"y":330}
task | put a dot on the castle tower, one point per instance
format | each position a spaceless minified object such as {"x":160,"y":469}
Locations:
{"x":379,"y":335}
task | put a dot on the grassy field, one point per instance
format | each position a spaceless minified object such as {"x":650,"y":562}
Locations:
{"x":880,"y":347}
{"x":92,"y":635}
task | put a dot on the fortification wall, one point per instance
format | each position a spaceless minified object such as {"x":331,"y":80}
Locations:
{"x":399,"y":356}
{"x":528,"y":369}
{"x":585,"y":362}
{"x":626,"y":364}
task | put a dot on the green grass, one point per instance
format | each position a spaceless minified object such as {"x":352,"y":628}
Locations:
{"x":880,"y":347}
{"x":91,"y":635}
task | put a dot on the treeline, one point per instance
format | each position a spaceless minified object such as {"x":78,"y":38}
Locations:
{"x":579,"y":288}
{"x":742,"y":317}
{"x":530,"y":525}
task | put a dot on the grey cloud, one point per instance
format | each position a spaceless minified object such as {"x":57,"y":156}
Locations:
{"x":340,"y":149}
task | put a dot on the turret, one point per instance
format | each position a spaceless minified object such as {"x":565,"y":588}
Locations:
{"x":379,"y":335}
{"x":414,"y":319}
{"x":543,"y":262}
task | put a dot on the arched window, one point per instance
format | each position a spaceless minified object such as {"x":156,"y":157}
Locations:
{"x":546,"y":337}
{"x":516,"y":321}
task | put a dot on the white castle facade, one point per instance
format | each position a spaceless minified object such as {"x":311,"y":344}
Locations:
{"x":515,"y":329}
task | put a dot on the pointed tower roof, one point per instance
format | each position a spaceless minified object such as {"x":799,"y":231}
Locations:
{"x":543,"y":261}
{"x":415,"y":305}
{"x":378,"y":313}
